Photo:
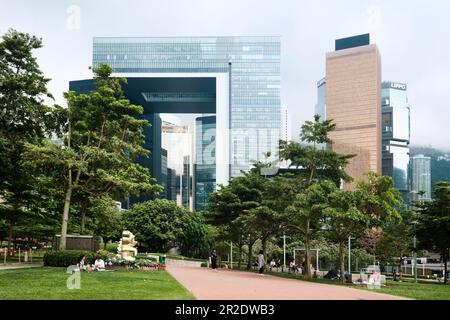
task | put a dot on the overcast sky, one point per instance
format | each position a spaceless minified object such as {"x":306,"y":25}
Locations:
{"x":413,"y":37}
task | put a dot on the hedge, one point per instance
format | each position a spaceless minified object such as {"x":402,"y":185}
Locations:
{"x":67,"y":258}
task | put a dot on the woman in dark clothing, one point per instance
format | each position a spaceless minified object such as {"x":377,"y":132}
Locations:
{"x":213,"y":260}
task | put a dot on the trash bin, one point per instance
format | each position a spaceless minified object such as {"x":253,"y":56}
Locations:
{"x":162,"y":260}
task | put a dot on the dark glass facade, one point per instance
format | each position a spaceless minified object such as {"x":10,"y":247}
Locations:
{"x":396,"y":134}
{"x":205,"y":162}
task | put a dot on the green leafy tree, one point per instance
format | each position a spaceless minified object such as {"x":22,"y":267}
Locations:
{"x":305,"y":215}
{"x":195,"y":240}
{"x":157,"y":224}
{"x":396,"y":241}
{"x":103,"y":138}
{"x":229,"y":204}
{"x":24,"y":118}
{"x":433,"y":223}
{"x":313,"y":166}
{"x":344,"y":219}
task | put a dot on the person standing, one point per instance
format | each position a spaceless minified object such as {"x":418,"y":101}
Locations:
{"x":261,"y":262}
{"x":213,"y":260}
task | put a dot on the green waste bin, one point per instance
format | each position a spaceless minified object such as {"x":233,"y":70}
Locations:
{"x":162,"y":260}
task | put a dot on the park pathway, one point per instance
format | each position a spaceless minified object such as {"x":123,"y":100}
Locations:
{"x":205,"y":284}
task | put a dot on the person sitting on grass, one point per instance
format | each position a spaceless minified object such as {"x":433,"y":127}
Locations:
{"x":99,"y":264}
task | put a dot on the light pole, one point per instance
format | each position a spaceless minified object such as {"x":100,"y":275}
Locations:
{"x":415,"y":259}
{"x":284,"y":251}
{"x":349,"y":253}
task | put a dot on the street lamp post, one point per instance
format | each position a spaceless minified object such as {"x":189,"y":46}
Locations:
{"x":415,"y":259}
{"x":284,"y":251}
{"x":349,"y":253}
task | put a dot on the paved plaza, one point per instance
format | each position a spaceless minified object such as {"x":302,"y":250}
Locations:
{"x":206,"y":284}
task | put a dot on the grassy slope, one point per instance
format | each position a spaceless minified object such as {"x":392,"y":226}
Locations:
{"x":50,"y":283}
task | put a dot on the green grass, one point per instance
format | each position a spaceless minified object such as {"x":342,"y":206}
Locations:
{"x":408,"y":289}
{"x":50,"y":284}
{"x":419,"y":291}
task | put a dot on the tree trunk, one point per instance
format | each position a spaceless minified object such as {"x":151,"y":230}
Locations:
{"x":445,"y":266}
{"x":341,"y":262}
{"x":250,"y":255}
{"x":307,"y":253}
{"x":264,"y":248}
{"x":240,"y":256}
{"x":10,"y":235}
{"x":65,"y":221}
{"x":83,"y":220}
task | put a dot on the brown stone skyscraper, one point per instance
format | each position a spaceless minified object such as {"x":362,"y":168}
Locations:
{"x":353,"y":101}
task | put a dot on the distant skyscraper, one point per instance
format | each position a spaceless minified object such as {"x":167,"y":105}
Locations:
{"x":353,"y":102}
{"x":177,"y":142}
{"x":205,"y":160}
{"x":421,"y":176}
{"x":396,"y":134}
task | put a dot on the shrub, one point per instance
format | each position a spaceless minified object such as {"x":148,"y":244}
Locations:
{"x":105,"y":255}
{"x":111,"y":247}
{"x":66,"y":258}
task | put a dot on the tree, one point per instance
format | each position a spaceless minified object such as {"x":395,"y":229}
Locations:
{"x":102,"y":139}
{"x":157,"y":224}
{"x":433,"y":223}
{"x":313,"y":166}
{"x":24,"y":118}
{"x":195,"y":239}
{"x":229,"y":204}
{"x":305,"y":214}
{"x":395,"y":241}
{"x":344,"y":219}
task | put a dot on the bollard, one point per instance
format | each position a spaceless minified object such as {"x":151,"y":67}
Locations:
{"x":31,"y":256}
{"x":19,"y":255}
{"x":5,"y":253}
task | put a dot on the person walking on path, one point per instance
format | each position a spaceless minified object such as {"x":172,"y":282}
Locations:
{"x":213,"y":260}
{"x":261,"y":262}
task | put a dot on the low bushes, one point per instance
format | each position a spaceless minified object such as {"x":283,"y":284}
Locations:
{"x":66,"y":258}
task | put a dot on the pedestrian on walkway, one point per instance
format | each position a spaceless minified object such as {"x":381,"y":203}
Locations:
{"x":261,"y":262}
{"x":213,"y":260}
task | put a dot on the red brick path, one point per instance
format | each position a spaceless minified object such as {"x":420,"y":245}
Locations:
{"x":206,"y":284}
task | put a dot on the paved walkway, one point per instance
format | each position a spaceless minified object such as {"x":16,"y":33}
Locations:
{"x":206,"y":284}
{"x":10,"y":266}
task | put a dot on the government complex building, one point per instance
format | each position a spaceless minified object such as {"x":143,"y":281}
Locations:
{"x":230,"y":84}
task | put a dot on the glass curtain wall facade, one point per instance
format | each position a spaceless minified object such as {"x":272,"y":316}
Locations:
{"x":253,"y":64}
{"x":421,"y":177}
{"x":396,"y":135}
{"x":205,"y":159}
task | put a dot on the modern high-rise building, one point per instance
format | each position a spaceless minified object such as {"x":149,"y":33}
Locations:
{"x":421,"y":177}
{"x":235,"y":78}
{"x":177,"y":142}
{"x":396,"y":135}
{"x":205,"y":160}
{"x":353,"y":102}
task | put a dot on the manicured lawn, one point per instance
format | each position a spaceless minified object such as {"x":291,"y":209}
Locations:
{"x":408,"y":289}
{"x":419,"y":291}
{"x":50,"y":284}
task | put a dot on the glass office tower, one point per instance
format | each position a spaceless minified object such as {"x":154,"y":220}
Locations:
{"x":396,"y":134}
{"x":205,"y":159}
{"x":253,"y":65}
{"x":421,"y":177}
